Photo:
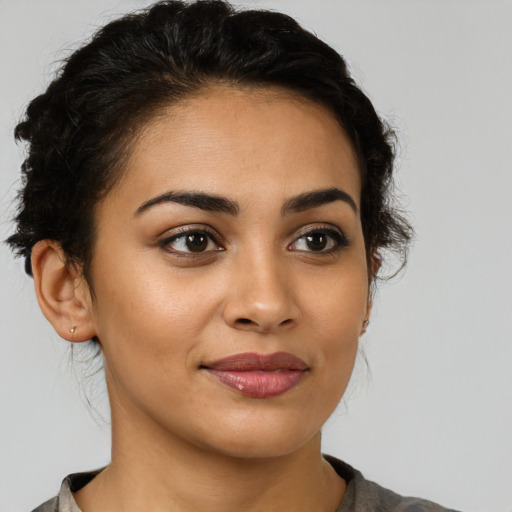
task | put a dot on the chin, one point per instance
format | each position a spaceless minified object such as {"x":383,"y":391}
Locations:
{"x":266,"y":439}
{"x":257,"y":448}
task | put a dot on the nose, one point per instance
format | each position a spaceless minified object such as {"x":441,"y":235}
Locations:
{"x":261,"y":297}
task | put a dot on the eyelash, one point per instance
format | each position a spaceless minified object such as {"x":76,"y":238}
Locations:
{"x":188,"y":231}
{"x":338,"y":239}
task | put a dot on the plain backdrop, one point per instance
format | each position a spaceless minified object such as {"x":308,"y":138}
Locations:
{"x":432,"y":415}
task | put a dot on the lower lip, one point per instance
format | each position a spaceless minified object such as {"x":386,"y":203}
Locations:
{"x":259,"y":384}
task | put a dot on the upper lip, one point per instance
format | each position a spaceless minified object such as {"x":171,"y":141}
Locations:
{"x":250,"y":361}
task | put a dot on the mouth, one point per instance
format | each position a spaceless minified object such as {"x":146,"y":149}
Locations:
{"x":257,"y":375}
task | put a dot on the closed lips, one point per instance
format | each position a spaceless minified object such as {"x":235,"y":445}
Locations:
{"x":258,"y":362}
{"x":257,"y":375}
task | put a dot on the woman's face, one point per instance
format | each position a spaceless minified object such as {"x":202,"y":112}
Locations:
{"x":230,"y":274}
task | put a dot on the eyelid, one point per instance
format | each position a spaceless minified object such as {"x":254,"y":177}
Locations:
{"x":175,"y":233}
{"x":335,"y":232}
{"x":332,"y":230}
{"x":317,"y":226}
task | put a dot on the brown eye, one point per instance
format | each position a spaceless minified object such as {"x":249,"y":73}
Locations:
{"x":316,"y":241}
{"x":191,"y":242}
{"x":320,"y":241}
{"x":196,"y":242}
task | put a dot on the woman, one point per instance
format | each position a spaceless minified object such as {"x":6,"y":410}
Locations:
{"x":207,"y":198}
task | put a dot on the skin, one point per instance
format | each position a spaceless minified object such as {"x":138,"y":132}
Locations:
{"x":180,"y":437}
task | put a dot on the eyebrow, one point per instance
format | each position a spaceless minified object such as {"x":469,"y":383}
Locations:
{"x":219,"y":204}
{"x":315,"y":199}
{"x":208,"y":202}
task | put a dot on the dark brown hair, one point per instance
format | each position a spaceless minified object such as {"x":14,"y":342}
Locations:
{"x":79,"y":131}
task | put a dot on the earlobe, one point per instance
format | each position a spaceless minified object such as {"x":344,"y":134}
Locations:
{"x":62,"y":295}
{"x":374,"y":267}
{"x":366,"y":320}
{"x":364,"y":326}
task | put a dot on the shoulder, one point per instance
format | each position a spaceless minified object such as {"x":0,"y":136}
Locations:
{"x":363,"y":495}
{"x":49,"y":506}
{"x":64,"y":501}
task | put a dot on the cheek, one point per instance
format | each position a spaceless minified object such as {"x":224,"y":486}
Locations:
{"x":338,"y":303}
{"x":151,"y":318}
{"x":336,"y":312}
{"x":139,"y":286}
{"x":148,"y":324}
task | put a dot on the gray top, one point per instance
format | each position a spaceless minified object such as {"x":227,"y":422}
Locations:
{"x":361,"y":495}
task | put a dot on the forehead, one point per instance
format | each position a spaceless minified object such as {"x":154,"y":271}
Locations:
{"x":241,"y":142}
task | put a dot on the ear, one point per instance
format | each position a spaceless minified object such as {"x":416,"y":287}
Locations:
{"x":63,"y":295}
{"x":373,"y":266}
{"x":366,"y":320}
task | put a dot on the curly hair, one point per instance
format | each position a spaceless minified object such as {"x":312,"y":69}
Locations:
{"x":80,"y":130}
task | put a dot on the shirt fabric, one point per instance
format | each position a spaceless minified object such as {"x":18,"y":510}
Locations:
{"x":361,"y":495}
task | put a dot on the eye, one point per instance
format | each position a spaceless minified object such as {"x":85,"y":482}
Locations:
{"x":323,"y":240}
{"x":189,"y":242}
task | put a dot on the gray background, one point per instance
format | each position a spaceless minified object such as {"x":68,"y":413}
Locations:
{"x":433,"y":415}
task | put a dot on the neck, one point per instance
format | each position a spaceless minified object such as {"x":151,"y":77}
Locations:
{"x":159,"y":472}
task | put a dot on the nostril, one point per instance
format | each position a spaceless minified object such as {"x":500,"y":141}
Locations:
{"x":247,"y":322}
